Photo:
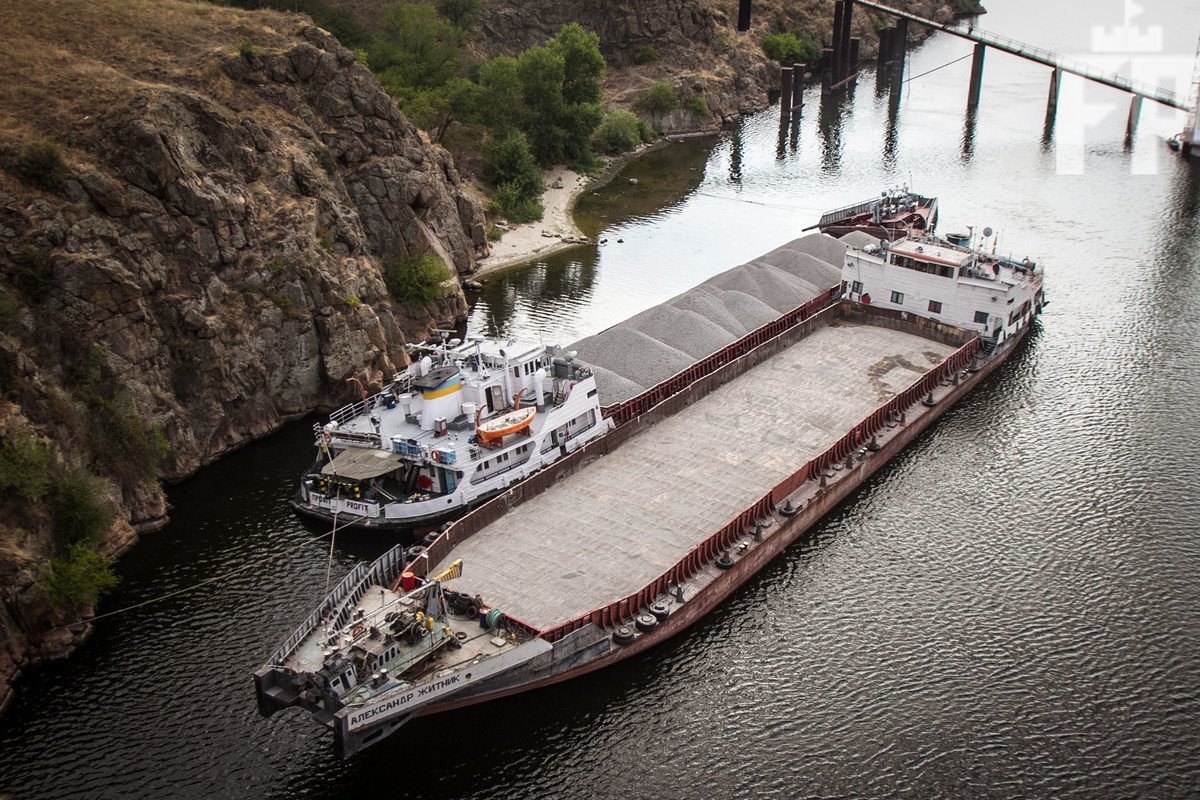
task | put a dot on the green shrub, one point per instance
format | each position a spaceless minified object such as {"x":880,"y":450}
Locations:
{"x":620,"y":131}
{"x":275,"y":265}
{"x":81,"y":514}
{"x":416,"y":280}
{"x":247,"y":50}
{"x":31,"y":273}
{"x":494,"y":233}
{"x":646,"y":53}
{"x":10,"y":311}
{"x":41,"y":161}
{"x":25,"y":466}
{"x":352,"y":300}
{"x":659,"y":99}
{"x":512,"y":204}
{"x":698,"y":106}
{"x":509,"y":160}
{"x":78,"y":578}
{"x":460,"y":12}
{"x":788,"y":49}
{"x":325,"y":158}
{"x":126,"y":446}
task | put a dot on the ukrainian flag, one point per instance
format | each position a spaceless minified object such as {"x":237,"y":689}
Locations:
{"x":448,"y":386}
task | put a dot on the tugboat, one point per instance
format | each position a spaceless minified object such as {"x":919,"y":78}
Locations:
{"x":895,"y":214}
{"x":952,"y":280}
{"x":450,"y":432}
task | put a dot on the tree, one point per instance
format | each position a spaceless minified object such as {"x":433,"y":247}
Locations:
{"x":461,"y":13}
{"x":562,"y":85}
{"x":415,"y":48}
{"x":542,"y":70}
{"x":500,"y":102}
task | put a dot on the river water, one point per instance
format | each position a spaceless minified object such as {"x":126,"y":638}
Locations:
{"x":1010,"y":607}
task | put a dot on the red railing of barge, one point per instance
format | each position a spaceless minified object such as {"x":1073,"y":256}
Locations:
{"x":706,"y":551}
{"x":634,"y":414}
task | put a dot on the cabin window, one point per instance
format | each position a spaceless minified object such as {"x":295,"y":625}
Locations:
{"x":856,"y":287}
{"x":981,"y":317}
{"x":516,"y":372}
{"x":336,"y":683}
{"x":898,"y":298}
{"x":935,"y":307}
{"x":592,"y":393}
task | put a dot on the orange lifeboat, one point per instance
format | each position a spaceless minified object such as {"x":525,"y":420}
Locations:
{"x":512,"y":422}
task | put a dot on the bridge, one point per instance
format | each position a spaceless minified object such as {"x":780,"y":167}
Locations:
{"x":841,"y":61}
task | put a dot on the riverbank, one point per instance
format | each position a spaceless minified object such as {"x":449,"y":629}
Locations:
{"x":556,"y":230}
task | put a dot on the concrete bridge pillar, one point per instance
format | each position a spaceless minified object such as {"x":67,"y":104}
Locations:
{"x":798,"y":87}
{"x":1135,"y":111}
{"x":785,"y":94}
{"x":976,"y":77}
{"x":1052,"y":99}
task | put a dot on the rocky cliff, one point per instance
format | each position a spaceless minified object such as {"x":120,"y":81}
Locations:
{"x":693,"y":44}
{"x":196,"y":208}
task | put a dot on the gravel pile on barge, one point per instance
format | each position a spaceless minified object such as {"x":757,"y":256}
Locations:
{"x":649,"y":347}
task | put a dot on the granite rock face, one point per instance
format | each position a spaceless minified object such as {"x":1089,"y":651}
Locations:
{"x":213,"y":251}
{"x":691,"y":44}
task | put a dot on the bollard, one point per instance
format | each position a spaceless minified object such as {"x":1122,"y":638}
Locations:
{"x":849,"y":461}
{"x":823,"y":482}
{"x":874,"y":445}
{"x":929,"y":401}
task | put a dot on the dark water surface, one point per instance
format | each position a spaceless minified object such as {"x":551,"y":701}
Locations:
{"x":1010,"y":608}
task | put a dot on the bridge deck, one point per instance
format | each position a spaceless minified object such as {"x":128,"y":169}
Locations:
{"x":1040,"y":55}
{"x":609,"y":529}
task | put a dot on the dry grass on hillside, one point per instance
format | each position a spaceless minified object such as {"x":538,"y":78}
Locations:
{"x":66,"y":61}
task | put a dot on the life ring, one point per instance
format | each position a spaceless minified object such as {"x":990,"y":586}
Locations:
{"x":327,"y":436}
{"x":436,"y":455}
{"x":866,"y":299}
{"x":357,"y":630}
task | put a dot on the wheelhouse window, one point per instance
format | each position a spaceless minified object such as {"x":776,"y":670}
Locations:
{"x":898,"y":298}
{"x":935,"y":307}
{"x":856,"y":287}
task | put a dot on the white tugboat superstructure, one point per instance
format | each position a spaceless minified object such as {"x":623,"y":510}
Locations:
{"x":951,"y":280}
{"x":436,"y":440}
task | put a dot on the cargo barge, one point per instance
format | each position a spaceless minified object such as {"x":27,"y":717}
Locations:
{"x":614,"y":548}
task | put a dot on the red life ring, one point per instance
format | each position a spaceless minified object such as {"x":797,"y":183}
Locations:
{"x":436,"y":455}
{"x":866,"y":299}
{"x":357,"y":630}
{"x":327,"y":436}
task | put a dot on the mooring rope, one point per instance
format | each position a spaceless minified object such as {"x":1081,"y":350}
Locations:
{"x":193,"y":587}
{"x":935,"y":69}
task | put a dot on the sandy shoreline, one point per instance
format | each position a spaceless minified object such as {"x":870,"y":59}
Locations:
{"x":522,"y":243}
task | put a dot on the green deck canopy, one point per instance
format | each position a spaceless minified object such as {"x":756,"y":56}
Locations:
{"x":360,"y":463}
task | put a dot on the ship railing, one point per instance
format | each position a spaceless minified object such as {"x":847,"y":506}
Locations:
{"x":337,"y":609}
{"x":401,"y":382}
{"x":848,"y":211}
{"x":637,"y":405}
{"x":704,"y":553}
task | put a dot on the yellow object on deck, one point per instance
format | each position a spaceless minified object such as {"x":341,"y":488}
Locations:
{"x":452,"y":572}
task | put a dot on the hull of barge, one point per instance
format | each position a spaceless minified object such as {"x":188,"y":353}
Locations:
{"x":590,"y":648}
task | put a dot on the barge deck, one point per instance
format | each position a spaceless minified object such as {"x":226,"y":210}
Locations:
{"x":621,"y":521}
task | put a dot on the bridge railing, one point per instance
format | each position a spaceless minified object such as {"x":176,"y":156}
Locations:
{"x":1068,"y":64}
